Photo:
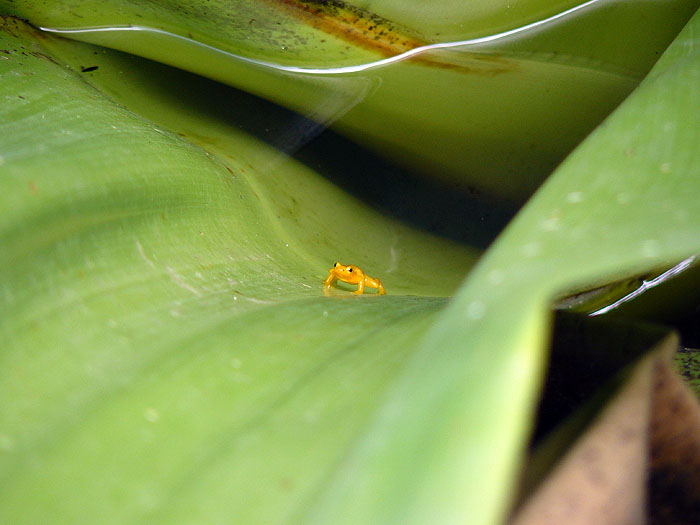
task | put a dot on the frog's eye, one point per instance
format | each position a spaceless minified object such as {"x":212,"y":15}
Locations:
{"x":350,"y":269}
{"x":335,"y":265}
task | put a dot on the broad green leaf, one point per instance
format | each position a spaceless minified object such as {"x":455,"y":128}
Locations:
{"x":490,"y":99}
{"x":169,"y":354}
{"x":162,"y":314}
{"x":623,"y":203}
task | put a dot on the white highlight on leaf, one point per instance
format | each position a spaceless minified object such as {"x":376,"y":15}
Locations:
{"x":650,"y":248}
{"x":531,"y":249}
{"x":476,"y":310}
{"x":495,"y":276}
{"x":334,"y":70}
{"x":181,"y":282}
{"x":623,"y":197}
{"x":575,"y":197}
{"x":668,"y":274}
{"x":551,"y":224}
{"x":151,"y":415}
{"x":143,"y":255}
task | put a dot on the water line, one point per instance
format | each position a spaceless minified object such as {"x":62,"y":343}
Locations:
{"x":333,"y":70}
{"x":646,"y":285}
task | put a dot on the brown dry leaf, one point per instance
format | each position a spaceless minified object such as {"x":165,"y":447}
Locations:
{"x":674,"y":480}
{"x":637,"y":462}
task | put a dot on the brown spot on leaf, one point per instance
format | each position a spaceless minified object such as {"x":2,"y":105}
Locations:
{"x":369,"y":31}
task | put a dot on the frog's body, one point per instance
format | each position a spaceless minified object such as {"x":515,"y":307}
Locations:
{"x":353,"y":275}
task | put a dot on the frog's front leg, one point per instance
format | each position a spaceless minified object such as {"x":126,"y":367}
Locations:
{"x":330,"y":279}
{"x":360,"y":285}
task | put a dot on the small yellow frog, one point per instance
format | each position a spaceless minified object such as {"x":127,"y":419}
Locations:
{"x":353,"y":275}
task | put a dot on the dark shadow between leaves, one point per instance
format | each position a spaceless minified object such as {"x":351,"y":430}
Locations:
{"x":465,"y":216}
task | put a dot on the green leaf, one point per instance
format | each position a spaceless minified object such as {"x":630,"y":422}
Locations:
{"x":508,"y":92}
{"x":623,"y":203}
{"x":162,"y":313}
{"x":168,"y":353}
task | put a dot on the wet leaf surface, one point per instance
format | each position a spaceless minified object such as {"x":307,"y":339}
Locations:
{"x":166,"y":333}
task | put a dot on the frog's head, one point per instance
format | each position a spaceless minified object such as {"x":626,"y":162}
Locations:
{"x":349,"y":274}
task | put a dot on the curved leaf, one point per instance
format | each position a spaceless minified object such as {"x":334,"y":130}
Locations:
{"x":623,"y":203}
{"x":496,"y":113}
{"x":161,"y":305}
{"x":169,"y":355}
